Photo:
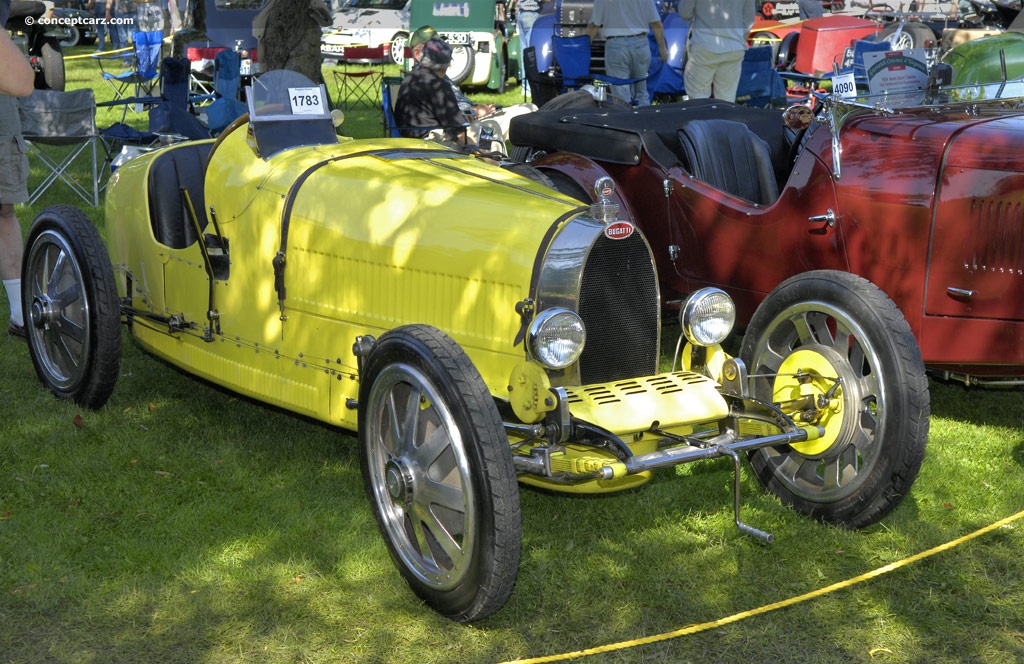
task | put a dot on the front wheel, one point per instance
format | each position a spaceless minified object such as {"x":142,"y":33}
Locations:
{"x":438,"y":470}
{"x":72,"y":315}
{"x":834,"y":351}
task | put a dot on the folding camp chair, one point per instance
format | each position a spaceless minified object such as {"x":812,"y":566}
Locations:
{"x":175,"y":111}
{"x":573,"y":57}
{"x":853,"y":58}
{"x":60,"y":128}
{"x":760,"y":83}
{"x":226,"y":81}
{"x":388,"y":91}
{"x":357,"y":87}
{"x":544,"y":86}
{"x":143,"y":74}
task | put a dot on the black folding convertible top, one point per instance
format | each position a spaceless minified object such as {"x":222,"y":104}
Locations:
{"x":619,"y":135}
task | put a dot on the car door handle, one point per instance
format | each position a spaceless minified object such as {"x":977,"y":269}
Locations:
{"x":829,"y":218}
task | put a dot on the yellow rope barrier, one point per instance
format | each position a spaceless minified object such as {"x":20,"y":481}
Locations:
{"x":701,"y":627}
{"x":126,"y":49}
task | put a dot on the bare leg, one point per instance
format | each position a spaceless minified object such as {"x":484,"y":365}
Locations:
{"x":11,"y":249}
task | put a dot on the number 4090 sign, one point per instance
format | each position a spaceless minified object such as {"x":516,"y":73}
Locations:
{"x":844,"y":86}
{"x":306,"y":101}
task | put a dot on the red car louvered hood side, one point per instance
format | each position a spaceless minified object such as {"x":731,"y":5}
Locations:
{"x":976,"y":261}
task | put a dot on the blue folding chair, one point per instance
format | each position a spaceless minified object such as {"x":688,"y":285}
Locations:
{"x":143,"y":74}
{"x":388,"y":90}
{"x":760,"y":83}
{"x":856,"y":64}
{"x":573,"y":57}
{"x":175,"y":110}
{"x":226,"y":82}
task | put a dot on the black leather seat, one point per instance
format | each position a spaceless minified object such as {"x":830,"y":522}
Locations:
{"x":729,"y":156}
{"x":177,"y":168}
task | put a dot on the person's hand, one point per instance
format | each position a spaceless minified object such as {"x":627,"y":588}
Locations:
{"x":483,"y":110}
{"x":663,"y":53}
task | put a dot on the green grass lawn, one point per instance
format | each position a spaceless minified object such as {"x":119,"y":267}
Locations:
{"x":182,"y":523}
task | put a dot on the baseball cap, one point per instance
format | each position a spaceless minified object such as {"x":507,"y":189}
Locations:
{"x":422,"y":34}
{"x":437,"y":51}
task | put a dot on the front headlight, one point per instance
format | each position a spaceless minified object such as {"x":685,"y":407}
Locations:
{"x":707,"y":317}
{"x":557,"y":337}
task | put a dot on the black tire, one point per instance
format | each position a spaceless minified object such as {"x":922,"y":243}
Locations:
{"x":463,"y":61}
{"x":418,"y":370}
{"x":767,"y":39}
{"x":876,"y":424}
{"x":913,"y":35}
{"x":72,"y":36}
{"x":52,"y":57}
{"x":72,"y":314}
{"x":502,"y":73}
{"x":785,"y":57}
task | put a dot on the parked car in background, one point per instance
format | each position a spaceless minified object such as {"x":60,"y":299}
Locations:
{"x":40,"y":44}
{"x":782,"y":9}
{"x":569,"y":18}
{"x":74,"y":23}
{"x":474,"y":327}
{"x":919,"y":193}
{"x":382,"y":24}
{"x":485,"y":48}
{"x":993,"y":58}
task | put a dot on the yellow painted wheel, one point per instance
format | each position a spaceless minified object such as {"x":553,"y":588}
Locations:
{"x":810,"y":390}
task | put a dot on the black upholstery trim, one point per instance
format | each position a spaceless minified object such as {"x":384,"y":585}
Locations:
{"x":730,"y":157}
{"x":177,"y":167}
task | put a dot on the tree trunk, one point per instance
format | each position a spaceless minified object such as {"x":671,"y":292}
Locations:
{"x":291,"y":36}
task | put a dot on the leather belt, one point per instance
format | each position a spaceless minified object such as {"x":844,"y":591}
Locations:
{"x":639,"y":34}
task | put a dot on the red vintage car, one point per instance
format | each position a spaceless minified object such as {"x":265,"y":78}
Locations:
{"x":921,"y":194}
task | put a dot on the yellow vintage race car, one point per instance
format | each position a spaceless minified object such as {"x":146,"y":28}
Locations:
{"x":474,"y":327}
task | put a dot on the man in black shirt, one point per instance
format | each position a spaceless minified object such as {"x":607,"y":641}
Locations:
{"x":426,"y":101}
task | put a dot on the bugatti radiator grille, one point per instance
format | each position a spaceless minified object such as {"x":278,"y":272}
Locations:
{"x":620,"y":308}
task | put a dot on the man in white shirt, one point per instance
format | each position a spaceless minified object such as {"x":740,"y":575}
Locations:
{"x":717,"y":44}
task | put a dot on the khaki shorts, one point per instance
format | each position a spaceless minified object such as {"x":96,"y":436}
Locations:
{"x":13,"y":170}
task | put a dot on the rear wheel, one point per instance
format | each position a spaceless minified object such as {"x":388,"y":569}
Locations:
{"x":73,"y":320}
{"x":438,"y":470}
{"x":834,"y":351}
